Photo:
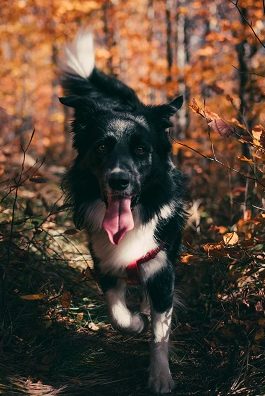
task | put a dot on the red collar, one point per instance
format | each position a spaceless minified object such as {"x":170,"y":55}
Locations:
{"x":132,"y":269}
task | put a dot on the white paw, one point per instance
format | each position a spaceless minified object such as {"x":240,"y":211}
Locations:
{"x":160,"y":380}
{"x":137,"y":324}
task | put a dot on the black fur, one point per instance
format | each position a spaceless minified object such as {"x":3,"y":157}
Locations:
{"x":123,"y":174}
{"x":161,"y":288}
{"x":101,"y":99}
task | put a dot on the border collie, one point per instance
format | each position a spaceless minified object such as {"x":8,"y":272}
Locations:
{"x":127,"y":194}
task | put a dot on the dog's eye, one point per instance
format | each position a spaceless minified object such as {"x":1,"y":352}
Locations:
{"x":102,"y":148}
{"x":140,"y":150}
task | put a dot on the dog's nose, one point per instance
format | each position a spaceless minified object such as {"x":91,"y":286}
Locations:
{"x":119,"y":181}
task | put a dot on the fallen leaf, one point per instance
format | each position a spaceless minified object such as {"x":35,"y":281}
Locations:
{"x":33,"y":297}
{"x":230,"y":238}
{"x":185,"y":259}
{"x":80,"y":316}
{"x":213,"y":249}
{"x":92,"y":326}
{"x":65,"y":299}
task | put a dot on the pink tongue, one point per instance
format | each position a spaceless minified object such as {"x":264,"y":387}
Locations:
{"x":118,"y":219}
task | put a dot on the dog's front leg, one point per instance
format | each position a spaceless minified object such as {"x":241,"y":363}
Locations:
{"x":160,"y":289}
{"x":121,"y":318}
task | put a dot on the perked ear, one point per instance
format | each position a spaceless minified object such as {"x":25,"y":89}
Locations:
{"x":71,"y":101}
{"x":177,"y":102}
{"x":162,"y":113}
{"x":79,"y":103}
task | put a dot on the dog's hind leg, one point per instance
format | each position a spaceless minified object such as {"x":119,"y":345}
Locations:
{"x":160,"y":289}
{"x":121,"y":318}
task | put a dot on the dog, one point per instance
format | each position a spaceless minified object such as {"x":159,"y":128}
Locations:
{"x":127,"y":194}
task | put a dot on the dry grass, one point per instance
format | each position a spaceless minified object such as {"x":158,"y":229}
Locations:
{"x":60,"y":341}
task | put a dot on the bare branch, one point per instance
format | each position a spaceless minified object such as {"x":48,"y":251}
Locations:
{"x":235,"y":3}
{"x":215,"y":159}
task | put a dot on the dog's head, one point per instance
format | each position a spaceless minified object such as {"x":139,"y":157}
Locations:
{"x":124,"y":150}
{"x":122,"y":144}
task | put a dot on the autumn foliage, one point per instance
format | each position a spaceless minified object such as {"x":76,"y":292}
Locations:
{"x":212,"y":53}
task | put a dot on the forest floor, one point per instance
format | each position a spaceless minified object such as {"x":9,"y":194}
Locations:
{"x":55,"y":335}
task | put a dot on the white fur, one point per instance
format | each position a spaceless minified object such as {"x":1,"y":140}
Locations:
{"x":117,"y":306}
{"x":120,"y":315}
{"x":160,"y":379}
{"x":79,"y":57}
{"x":152,"y":266}
{"x":94,"y":215}
{"x":166,"y":210}
{"x":119,"y":125}
{"x":161,"y":325}
{"x":117,"y":169}
{"x":135,"y":244}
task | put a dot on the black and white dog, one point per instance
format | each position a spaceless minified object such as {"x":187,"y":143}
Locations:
{"x":127,"y":194}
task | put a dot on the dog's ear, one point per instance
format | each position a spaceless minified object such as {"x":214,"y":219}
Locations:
{"x":166,"y":111}
{"x":176,"y":103}
{"x":161,"y":114}
{"x":79,"y":103}
{"x":72,"y":101}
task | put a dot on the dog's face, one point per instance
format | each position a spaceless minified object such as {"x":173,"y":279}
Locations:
{"x":121,"y":155}
{"x":124,"y":151}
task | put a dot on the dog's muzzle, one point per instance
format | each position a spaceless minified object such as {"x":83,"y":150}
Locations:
{"x":118,"y":181}
{"x":118,"y":219}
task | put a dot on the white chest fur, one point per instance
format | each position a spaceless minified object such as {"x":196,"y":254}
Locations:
{"x":135,"y":244}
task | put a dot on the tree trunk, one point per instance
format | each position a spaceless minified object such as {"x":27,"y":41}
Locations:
{"x":109,"y":33}
{"x":168,"y":41}
{"x":151,"y":19}
{"x":243,"y":79}
{"x":182,"y":54}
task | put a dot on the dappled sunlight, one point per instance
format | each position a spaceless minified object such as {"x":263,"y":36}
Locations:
{"x":55,"y":334}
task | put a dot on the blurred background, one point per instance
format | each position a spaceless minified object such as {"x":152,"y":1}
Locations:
{"x":200,"y":49}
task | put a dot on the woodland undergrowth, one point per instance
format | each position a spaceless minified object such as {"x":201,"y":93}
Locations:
{"x":55,"y":334}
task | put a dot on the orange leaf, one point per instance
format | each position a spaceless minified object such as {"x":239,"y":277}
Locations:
{"x":222,"y":127}
{"x":185,"y":259}
{"x":33,"y":297}
{"x":231,"y":238}
{"x":212,"y":247}
{"x":245,"y":159}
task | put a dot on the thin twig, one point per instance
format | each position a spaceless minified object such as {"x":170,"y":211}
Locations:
{"x":235,"y":3}
{"x":220,"y":163}
{"x":248,"y":72}
{"x":17,"y":185}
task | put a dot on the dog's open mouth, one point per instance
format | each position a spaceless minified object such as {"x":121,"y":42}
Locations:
{"x":118,"y":218}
